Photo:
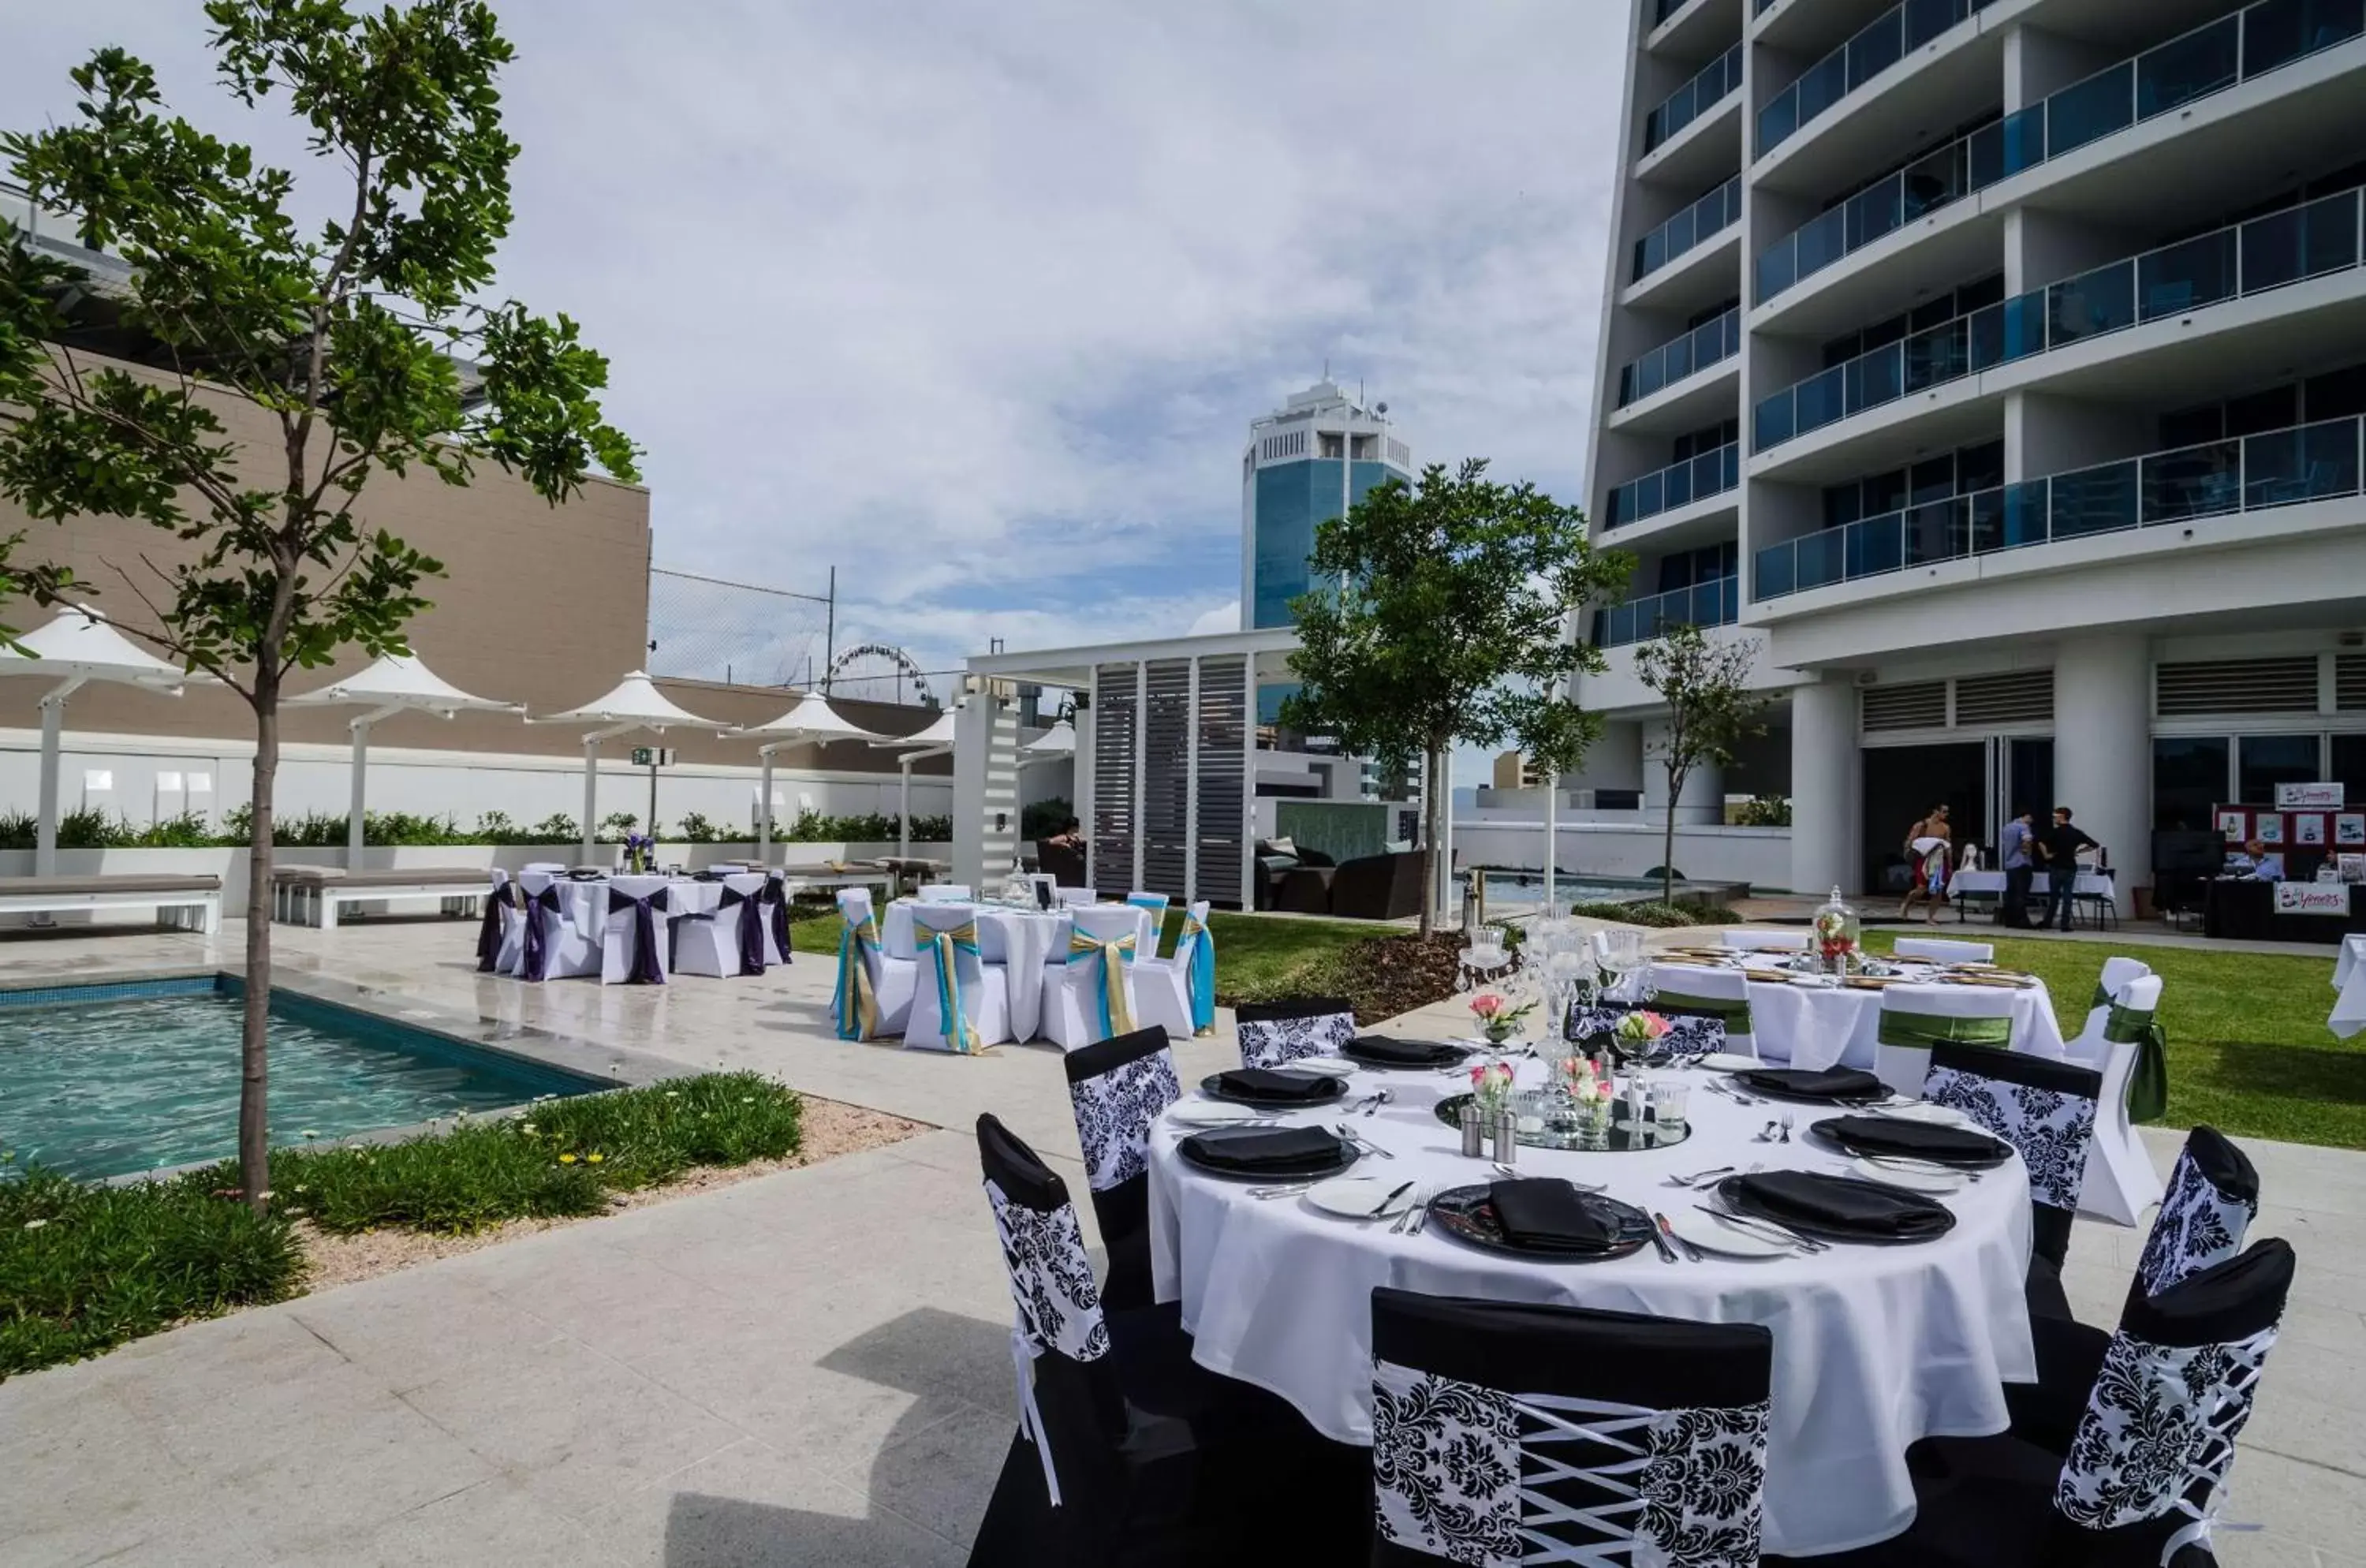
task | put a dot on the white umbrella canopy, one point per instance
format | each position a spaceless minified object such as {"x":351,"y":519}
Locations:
{"x":74,"y":648}
{"x":810,"y":720}
{"x":936,"y":740}
{"x":635,"y":704}
{"x":395,"y":683}
{"x":1060,"y":741}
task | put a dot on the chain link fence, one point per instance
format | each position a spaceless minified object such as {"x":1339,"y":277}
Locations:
{"x":702,"y":628}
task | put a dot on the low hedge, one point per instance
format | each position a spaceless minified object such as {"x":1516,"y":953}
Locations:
{"x":1682,"y":912}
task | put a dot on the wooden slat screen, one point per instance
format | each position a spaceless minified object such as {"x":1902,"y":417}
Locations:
{"x":1222,"y":719}
{"x":1113,"y":765}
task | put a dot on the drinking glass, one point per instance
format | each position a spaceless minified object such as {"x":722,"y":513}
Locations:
{"x":1669,"y":1097}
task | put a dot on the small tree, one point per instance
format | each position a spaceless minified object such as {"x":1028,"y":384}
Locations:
{"x":1709,"y":709}
{"x":350,"y":341}
{"x":1448,"y":626}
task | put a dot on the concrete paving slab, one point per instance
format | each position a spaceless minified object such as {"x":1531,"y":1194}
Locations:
{"x":749,"y":1507}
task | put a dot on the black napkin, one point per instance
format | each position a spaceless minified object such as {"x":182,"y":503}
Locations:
{"x":1833,"y":1205}
{"x":1547,"y":1214}
{"x":1269,"y":1149}
{"x":1831,"y":1083}
{"x":1914,"y":1140}
{"x":1392,"y":1053}
{"x":1269,"y":1083}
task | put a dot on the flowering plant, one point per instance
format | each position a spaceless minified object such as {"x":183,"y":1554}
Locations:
{"x":1586,"y":1087}
{"x":1498,"y":1015}
{"x":1491,"y":1085}
{"x":639,"y":847}
{"x":1641,"y":1028}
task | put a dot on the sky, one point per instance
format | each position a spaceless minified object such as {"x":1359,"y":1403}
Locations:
{"x":975,"y":303}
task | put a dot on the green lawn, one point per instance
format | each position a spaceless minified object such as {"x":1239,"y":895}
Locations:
{"x":2248,"y":1052}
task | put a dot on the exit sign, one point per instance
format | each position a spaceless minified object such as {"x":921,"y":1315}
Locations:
{"x":653,"y":756}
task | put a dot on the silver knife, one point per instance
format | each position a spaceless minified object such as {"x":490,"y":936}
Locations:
{"x":1667,"y":1252}
{"x":1402,"y":1188}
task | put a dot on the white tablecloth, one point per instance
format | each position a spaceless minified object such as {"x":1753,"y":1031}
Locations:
{"x":1021,"y":942}
{"x":2090,"y":883}
{"x":1875,"y":1347}
{"x":1805,"y":1026}
{"x":683,"y":897}
{"x":2349,"y":980}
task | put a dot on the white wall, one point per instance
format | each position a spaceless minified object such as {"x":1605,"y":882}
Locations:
{"x":458,"y":785}
{"x":1759,"y":856}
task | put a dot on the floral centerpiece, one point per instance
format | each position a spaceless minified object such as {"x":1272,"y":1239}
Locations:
{"x":1636,"y":1031}
{"x":1498,"y":1016}
{"x":1591,"y":1091}
{"x":1491,"y":1086}
{"x":1837,"y":933}
{"x":640,"y":851}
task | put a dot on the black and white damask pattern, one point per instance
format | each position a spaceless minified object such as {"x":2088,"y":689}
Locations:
{"x":2161,"y":1419}
{"x":1687,"y":1038}
{"x":1051,"y":1277}
{"x":1114,"y":1113}
{"x":1445,"y":1467}
{"x":2197,"y":1225}
{"x":1705,"y":1488}
{"x":1276,"y":1042}
{"x":2051,"y":1130}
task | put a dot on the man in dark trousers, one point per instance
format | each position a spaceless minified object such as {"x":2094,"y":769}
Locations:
{"x":2017,"y":847}
{"x":2061,"y":844}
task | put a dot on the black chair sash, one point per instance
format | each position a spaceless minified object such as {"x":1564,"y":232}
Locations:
{"x":749,"y":928}
{"x":489,"y":932}
{"x":645,"y":970}
{"x":540,"y":909}
{"x":775,"y":900}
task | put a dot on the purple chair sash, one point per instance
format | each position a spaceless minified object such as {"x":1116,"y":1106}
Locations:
{"x":775,"y":899}
{"x":645,"y":970}
{"x":489,"y":933}
{"x":541,"y":909}
{"x":749,"y":927}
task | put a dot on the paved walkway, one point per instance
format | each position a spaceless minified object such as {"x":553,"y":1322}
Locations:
{"x":808,"y":1369}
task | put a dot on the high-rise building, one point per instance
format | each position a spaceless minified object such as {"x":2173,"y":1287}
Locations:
{"x":1997,"y":367}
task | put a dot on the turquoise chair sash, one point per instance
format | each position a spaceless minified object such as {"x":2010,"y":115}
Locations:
{"x":947,"y":946}
{"x":1116,"y":1017}
{"x":1195,"y":948}
{"x":853,"y":1003}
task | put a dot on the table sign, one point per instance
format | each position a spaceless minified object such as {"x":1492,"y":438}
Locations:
{"x":2313,"y":899}
{"x":2304,"y":796}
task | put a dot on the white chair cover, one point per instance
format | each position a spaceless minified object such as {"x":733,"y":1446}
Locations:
{"x":1940,"y":951}
{"x":2090,"y":1049}
{"x":1764,"y":942}
{"x":1156,"y":905}
{"x":571,"y":945}
{"x":620,"y":928}
{"x":1163,"y":986}
{"x":893,"y":976}
{"x":1725,"y":988}
{"x":1072,"y":1003}
{"x":1903,"y":1067}
{"x":708,"y":943}
{"x":985,"y":988}
{"x":2121,"y":1181}
{"x":944,"y":893}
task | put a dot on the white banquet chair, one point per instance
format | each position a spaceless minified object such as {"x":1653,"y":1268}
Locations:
{"x":2091,"y":1047}
{"x":1914,"y":1018}
{"x":717,"y":942}
{"x":944,"y":893}
{"x":1763,"y":942}
{"x":943,"y":932}
{"x":1164,"y":986}
{"x":634,"y":935}
{"x":1154,"y":905}
{"x":1684,"y":993}
{"x":1073,"y":982}
{"x":2121,"y":1180}
{"x":891,"y":975}
{"x":1939,"y":951}
{"x":569,"y":938}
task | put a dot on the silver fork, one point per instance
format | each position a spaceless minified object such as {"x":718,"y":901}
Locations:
{"x":1712,"y":1174}
{"x":1379,"y":1097}
{"x":1420,"y":1204}
{"x":1363,"y":1142}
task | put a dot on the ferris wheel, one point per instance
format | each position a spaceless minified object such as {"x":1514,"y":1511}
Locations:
{"x":876,"y":671}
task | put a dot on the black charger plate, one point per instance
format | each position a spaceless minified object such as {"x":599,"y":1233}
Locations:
{"x":1468,"y":1213}
{"x":1737,"y":1199}
{"x":1348,"y":1154}
{"x":1213,"y":1087}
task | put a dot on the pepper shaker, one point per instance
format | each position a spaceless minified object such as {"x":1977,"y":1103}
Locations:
{"x":1507,"y":1138}
{"x":1474,"y":1134}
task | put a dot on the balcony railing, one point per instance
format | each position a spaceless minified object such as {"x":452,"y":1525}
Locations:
{"x":1716,"y":603}
{"x":1678,"y":484}
{"x":1719,"y":211}
{"x":1882,"y":43}
{"x":2308,"y":241}
{"x":2249,"y":473}
{"x":1705,"y":345}
{"x":1664,"y":9}
{"x":1716,"y":81}
{"x":2258,"y":39}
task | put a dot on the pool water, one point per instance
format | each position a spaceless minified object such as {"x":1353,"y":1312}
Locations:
{"x":96,"y":1082}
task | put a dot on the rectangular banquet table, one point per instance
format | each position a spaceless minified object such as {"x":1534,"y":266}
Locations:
{"x":2244,"y":909}
{"x":1018,"y":940}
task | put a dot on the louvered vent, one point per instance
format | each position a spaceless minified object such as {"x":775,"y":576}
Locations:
{"x":2019,"y":696}
{"x":1223,"y":772}
{"x":2350,"y":681}
{"x":1114,"y":708}
{"x":1167,"y":778}
{"x":2237,"y":685}
{"x":1922,"y":706}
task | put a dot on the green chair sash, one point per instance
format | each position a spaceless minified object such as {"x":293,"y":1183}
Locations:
{"x":1734,"y":1014}
{"x":1926,"y":1029}
{"x":2148,"y":1079}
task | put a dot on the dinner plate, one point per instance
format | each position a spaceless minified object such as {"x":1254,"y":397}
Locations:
{"x":1732,"y":1190}
{"x":1452,"y":1056}
{"x":1711,"y":1234}
{"x":1359,"y":1197}
{"x":1913,"y":1177}
{"x":1329,"y":1066}
{"x":1214,"y":1113}
{"x":1823,"y":1131}
{"x":1924,"y":1110}
{"x":1728,"y":1061}
{"x":1468,"y":1214}
{"x":1280,"y":1176}
{"x":1212,"y":1086}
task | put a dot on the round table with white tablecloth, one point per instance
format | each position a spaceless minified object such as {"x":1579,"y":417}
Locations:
{"x":1807,"y":1025}
{"x":1875,"y":1347}
{"x":1021,"y":942}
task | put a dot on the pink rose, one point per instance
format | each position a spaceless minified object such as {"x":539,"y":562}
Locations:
{"x":1487,"y":1004}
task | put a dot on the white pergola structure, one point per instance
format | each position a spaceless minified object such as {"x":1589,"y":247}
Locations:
{"x":936,"y":740}
{"x":1166,"y":752}
{"x":810,"y":721}
{"x":74,"y":649}
{"x":395,"y":683}
{"x":635,"y":705}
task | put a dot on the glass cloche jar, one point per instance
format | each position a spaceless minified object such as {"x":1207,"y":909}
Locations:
{"x":1837,"y":934}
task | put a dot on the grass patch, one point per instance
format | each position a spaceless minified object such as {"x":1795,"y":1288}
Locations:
{"x":84,"y":1268}
{"x":2249,"y":1051}
{"x":1682,"y":912}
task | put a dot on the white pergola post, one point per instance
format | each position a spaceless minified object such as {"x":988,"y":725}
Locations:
{"x":904,"y":809}
{"x":53,"y":720}
{"x":592,"y":785}
{"x":357,"y":814}
{"x":1552,"y":790}
{"x":764,"y":808}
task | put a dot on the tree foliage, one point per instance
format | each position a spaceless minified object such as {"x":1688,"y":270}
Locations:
{"x":1450,"y":624}
{"x":1711,"y":709}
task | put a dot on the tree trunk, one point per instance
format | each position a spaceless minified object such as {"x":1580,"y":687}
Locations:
{"x":1668,"y":840}
{"x":254,"y":1096}
{"x":1429,"y":841}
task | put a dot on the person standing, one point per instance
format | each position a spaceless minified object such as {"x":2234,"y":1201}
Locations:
{"x":2020,"y":870}
{"x":2061,"y":845}
{"x":1931,"y":830}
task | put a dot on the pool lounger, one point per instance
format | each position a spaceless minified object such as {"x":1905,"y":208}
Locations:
{"x":309,"y":894}
{"x":188,"y":903}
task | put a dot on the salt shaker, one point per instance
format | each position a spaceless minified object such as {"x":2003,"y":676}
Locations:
{"x":1474,"y":1134}
{"x":1507,"y":1138}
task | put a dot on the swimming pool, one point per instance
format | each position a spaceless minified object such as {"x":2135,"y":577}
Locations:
{"x":111,"y":1079}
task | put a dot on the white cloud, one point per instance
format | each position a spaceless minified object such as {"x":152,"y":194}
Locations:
{"x":1225,"y":617}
